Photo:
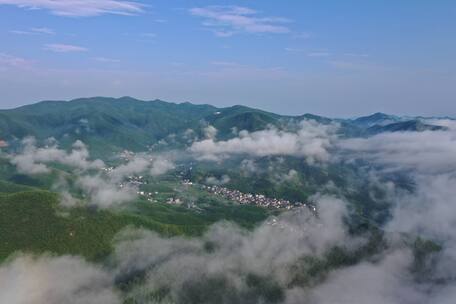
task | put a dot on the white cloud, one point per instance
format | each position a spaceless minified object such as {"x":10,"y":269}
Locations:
{"x":212,"y":180}
{"x":110,"y":190}
{"x":20,"y":32}
{"x":80,"y":8}
{"x":362,"y":55}
{"x":248,"y":166}
{"x":318,"y":54}
{"x":284,"y":177}
{"x":10,"y":61}
{"x":106,"y":60}
{"x":274,"y":248}
{"x":293,"y":50}
{"x":210,"y":132}
{"x":105,"y":193}
{"x":311,"y":141}
{"x":64,"y":48}
{"x":152,"y":164}
{"x":229,"y":20}
{"x":34,"y":31}
{"x":160,"y":165}
{"x":426,"y":152}
{"x":43,"y":30}
{"x":45,"y":280}
{"x":177,"y":264}
{"x":449,"y":124}
{"x":385,"y":282}
{"x":357,"y":65}
{"x":149,"y":35}
{"x":223,"y":34}
{"x":102,"y":189}
{"x":33,"y":160}
{"x":429,"y":211}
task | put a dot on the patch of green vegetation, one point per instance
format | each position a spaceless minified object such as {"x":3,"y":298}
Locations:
{"x":423,"y":252}
{"x":33,"y":221}
{"x":8,"y":187}
{"x":22,"y":182}
{"x":263,"y":288}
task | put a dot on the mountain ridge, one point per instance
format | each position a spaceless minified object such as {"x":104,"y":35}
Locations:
{"x":114,"y":124}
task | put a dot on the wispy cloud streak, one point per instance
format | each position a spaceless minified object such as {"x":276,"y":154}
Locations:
{"x":229,"y":20}
{"x":64,"y":48}
{"x":80,"y":8}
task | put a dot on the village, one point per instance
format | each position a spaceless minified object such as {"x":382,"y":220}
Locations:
{"x":237,"y":196}
{"x":252,"y":199}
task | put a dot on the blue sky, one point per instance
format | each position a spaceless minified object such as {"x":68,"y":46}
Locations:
{"x":334,"y":58}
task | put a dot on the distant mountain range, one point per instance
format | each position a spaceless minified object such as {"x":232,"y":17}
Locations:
{"x":113,"y":124}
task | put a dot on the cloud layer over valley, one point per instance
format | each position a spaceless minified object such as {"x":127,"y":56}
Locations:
{"x":311,"y":142}
{"x":301,"y":256}
{"x":102,"y":186}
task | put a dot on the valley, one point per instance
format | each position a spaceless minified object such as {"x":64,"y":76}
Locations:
{"x":74,"y":186}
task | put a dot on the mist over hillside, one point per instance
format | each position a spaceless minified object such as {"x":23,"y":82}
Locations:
{"x":128,"y":201}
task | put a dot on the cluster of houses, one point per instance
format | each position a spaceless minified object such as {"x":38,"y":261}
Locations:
{"x":134,"y":181}
{"x":229,"y":194}
{"x":252,"y":199}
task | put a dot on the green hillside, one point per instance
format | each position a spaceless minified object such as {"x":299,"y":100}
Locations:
{"x":32,"y":221}
{"x":110,"y":124}
{"x":105,"y":124}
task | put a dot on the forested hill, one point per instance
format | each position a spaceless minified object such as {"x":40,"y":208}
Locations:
{"x":114,"y":124}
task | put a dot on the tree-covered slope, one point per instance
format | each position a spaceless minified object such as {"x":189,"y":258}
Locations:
{"x":112,"y":123}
